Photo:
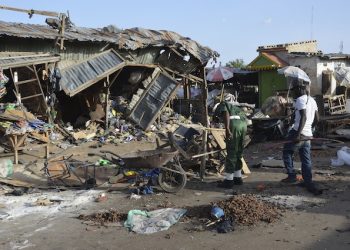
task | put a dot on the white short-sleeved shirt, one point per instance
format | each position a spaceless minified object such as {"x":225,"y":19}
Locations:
{"x":308,"y":103}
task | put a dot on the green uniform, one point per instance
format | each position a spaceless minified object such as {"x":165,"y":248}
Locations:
{"x":235,"y":144}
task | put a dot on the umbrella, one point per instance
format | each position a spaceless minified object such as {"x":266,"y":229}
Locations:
{"x":219,"y":74}
{"x":294,"y":72}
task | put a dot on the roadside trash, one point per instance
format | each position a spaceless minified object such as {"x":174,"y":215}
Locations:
{"x":17,"y":192}
{"x":103,"y":217}
{"x":143,"y":190}
{"x":102,"y":162}
{"x":225,"y":226}
{"x":3,"y":215}
{"x":102,"y":139}
{"x":135,"y":196}
{"x":343,"y":157}
{"x":54,"y":136}
{"x":6,"y":168}
{"x":130,"y":174}
{"x":217,"y":212}
{"x":260,"y":187}
{"x":143,"y":222}
{"x":101,"y":197}
{"x":336,"y":162}
{"x":43,"y":202}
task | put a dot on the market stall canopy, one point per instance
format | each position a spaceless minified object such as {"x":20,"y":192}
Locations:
{"x":294,"y":72}
{"x":219,"y":74}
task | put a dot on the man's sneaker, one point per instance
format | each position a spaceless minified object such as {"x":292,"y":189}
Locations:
{"x":237,"y":181}
{"x":290,"y":179}
{"x":226,"y":184}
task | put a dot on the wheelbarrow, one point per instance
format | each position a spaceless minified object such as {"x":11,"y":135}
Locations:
{"x":172,"y":178}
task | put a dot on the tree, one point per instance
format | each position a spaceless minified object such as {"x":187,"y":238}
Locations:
{"x":237,"y":63}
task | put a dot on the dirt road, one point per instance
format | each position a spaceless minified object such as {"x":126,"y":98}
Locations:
{"x":310,"y":223}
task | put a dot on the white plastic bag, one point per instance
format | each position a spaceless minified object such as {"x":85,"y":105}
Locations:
{"x":336,"y":162}
{"x":344,"y":155}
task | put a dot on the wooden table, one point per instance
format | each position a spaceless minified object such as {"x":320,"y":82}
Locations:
{"x":17,"y":142}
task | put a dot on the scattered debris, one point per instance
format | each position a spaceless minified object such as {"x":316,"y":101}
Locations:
{"x":249,"y":209}
{"x":143,"y":222}
{"x":101,"y":197}
{"x":135,"y":196}
{"x":103,"y":217}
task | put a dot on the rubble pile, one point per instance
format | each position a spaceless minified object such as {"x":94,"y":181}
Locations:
{"x":250,"y":210}
{"x":14,"y":119}
{"x":245,"y":209}
{"x":109,"y":216}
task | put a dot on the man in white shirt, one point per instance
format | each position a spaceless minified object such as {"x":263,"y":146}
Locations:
{"x":306,"y":117}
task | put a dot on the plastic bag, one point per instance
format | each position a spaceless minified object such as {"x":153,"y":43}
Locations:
{"x":336,"y":162}
{"x":344,"y":155}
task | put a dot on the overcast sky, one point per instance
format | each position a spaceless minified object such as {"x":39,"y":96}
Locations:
{"x":234,"y":28}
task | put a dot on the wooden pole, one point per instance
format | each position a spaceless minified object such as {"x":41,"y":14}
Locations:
{"x":205,"y":123}
{"x":222,"y":92}
{"x":107,"y":101}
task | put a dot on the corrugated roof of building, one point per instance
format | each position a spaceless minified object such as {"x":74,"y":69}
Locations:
{"x":128,"y":39}
{"x":336,"y":56}
{"x":20,"y":61}
{"x":82,"y":75}
{"x":274,"y":58}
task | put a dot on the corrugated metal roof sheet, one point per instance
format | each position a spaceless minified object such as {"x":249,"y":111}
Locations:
{"x":129,"y":39}
{"x":159,"y":92}
{"x":20,"y":61}
{"x":279,"y":62}
{"x":80,"y":76}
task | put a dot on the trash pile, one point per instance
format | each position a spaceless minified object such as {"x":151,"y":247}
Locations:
{"x":14,"y":119}
{"x":109,"y":216}
{"x":138,"y":221}
{"x":250,"y":210}
{"x":245,"y":209}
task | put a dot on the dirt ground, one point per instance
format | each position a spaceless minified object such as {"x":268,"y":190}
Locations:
{"x":321,"y":222}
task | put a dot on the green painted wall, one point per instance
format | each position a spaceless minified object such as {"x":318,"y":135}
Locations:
{"x":269,"y":82}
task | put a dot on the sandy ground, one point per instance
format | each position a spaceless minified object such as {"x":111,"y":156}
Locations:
{"x":321,"y":223}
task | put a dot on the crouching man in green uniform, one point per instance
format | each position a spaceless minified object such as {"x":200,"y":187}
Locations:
{"x":236,"y":127}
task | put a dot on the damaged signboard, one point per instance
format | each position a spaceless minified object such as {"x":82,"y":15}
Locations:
{"x":81,"y":76}
{"x":153,"y":99}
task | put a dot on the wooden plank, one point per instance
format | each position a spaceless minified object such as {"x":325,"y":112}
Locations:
{"x":25,"y":81}
{"x":219,"y":137}
{"x":39,"y":137}
{"x":16,"y":183}
{"x":32,"y":96}
{"x":245,"y":168}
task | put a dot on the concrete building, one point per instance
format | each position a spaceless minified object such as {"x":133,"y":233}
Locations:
{"x":319,"y":67}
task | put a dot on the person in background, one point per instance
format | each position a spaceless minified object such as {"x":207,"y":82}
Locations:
{"x":305,"y":119}
{"x":235,"y":123}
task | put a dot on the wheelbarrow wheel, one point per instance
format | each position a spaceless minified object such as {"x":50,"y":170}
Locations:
{"x":172,"y":182}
